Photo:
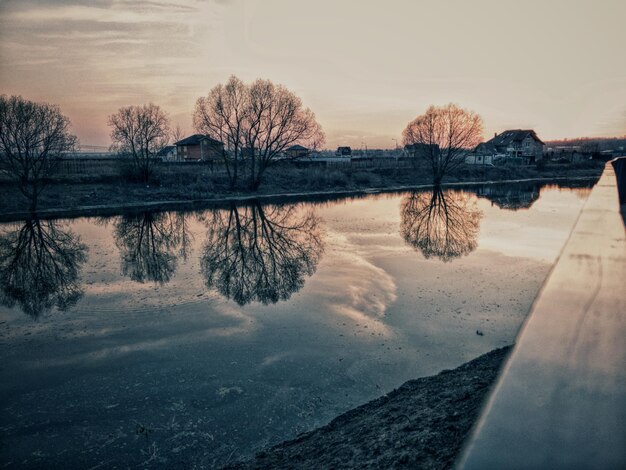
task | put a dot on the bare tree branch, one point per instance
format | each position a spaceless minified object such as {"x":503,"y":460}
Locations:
{"x":256,"y":122}
{"x":33,"y":139}
{"x":256,"y":253}
{"x":139,"y":133}
{"x":40,"y":266}
{"x":442,"y":136}
{"x":440,"y":224}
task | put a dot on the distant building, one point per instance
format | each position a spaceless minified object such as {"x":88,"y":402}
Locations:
{"x":606,"y":155}
{"x":297,"y":151}
{"x":199,"y":147}
{"x":518,"y":143}
{"x":167,"y":154}
{"x":479,"y":159}
{"x":422,"y":150}
{"x":343,"y":151}
{"x":567,"y":154}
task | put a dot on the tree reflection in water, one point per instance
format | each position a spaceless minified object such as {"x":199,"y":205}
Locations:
{"x":148,"y":244}
{"x":39,"y":267}
{"x":263,"y":254}
{"x":443,"y":225}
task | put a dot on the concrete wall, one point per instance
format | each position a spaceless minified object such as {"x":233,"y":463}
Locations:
{"x":560,"y":402}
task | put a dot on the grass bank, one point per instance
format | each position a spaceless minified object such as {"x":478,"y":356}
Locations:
{"x":422,"y":424}
{"x":180,"y":184}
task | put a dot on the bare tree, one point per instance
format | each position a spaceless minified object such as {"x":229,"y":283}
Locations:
{"x":221,"y":115}
{"x":177,"y":134}
{"x":148,"y":244}
{"x":276,"y":120}
{"x":33,"y":138}
{"x":40,"y":267}
{"x":442,"y":136}
{"x":262,"y":118}
{"x":139,"y":132}
{"x":443,"y":225}
{"x":263,"y":254}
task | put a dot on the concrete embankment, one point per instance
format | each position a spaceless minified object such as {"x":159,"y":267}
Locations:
{"x":561,"y":400}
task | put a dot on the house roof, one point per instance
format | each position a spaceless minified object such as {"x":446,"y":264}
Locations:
{"x":486,"y":148}
{"x":297,"y":147}
{"x":515,"y":135}
{"x":196,"y":139}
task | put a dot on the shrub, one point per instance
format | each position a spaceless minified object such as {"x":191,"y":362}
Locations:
{"x":315,"y":178}
{"x":541,"y":164}
{"x":366,"y":178}
{"x":337,"y":178}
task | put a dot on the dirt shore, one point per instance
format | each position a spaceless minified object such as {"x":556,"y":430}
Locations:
{"x":422,"y":424}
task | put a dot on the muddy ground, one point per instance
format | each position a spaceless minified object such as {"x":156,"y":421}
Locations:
{"x":422,"y":424}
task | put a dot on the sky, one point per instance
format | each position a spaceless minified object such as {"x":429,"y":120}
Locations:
{"x":366,"y":68}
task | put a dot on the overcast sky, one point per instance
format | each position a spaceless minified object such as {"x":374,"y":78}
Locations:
{"x":364,"y":67}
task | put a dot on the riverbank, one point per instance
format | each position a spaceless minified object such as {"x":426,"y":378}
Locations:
{"x":422,"y":424}
{"x":72,"y":198}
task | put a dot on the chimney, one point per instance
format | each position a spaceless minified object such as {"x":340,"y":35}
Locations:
{"x":495,"y":134}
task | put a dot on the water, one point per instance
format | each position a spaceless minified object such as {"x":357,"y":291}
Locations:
{"x":198,"y":338}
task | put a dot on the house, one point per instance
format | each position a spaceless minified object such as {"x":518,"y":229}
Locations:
{"x":518,"y":143}
{"x":167,"y":154}
{"x":343,"y":152}
{"x":199,"y":147}
{"x":297,"y":151}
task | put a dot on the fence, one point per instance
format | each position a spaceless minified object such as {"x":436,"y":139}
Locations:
{"x":109,"y":167}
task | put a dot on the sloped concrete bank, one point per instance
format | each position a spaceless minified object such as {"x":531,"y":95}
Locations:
{"x":560,"y":403}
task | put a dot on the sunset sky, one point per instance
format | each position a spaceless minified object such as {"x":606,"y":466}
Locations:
{"x":365,"y":68}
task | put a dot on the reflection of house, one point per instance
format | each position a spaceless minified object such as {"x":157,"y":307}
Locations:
{"x":343,"y":151}
{"x":511,"y":197}
{"x":297,"y":151}
{"x":516,"y":143}
{"x":199,"y":147}
{"x":167,"y":154}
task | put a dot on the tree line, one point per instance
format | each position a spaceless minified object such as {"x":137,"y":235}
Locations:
{"x":255,"y":121}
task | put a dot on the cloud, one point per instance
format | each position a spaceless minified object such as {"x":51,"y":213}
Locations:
{"x":364,"y":68}
{"x":106,"y":51}
{"x":354,"y":288}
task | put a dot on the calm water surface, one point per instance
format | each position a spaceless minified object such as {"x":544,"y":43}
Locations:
{"x":197,"y":339}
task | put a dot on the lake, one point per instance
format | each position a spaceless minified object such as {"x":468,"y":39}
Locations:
{"x":199,"y":338}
